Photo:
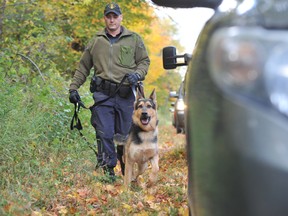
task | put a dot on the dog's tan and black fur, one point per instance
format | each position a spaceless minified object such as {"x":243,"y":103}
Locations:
{"x":142,"y":144}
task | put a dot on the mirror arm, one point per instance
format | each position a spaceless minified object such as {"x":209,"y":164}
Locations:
{"x":187,"y":58}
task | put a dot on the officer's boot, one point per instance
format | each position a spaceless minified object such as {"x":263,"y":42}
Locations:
{"x":99,"y":164}
{"x":109,"y":173}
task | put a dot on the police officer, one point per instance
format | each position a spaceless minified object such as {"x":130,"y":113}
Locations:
{"x":112,"y":53}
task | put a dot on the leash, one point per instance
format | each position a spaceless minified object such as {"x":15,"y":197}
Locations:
{"x":78,"y":124}
{"x":80,"y":104}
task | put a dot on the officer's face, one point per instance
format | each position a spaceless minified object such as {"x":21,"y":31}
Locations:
{"x":113,"y":21}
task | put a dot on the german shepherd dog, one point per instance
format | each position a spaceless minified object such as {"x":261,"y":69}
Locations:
{"x":142,"y":143}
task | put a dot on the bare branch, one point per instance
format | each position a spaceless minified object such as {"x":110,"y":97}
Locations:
{"x":33,"y":64}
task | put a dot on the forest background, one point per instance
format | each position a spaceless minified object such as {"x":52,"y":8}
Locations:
{"x":41,"y":42}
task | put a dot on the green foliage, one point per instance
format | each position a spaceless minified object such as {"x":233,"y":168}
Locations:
{"x":34,"y":132}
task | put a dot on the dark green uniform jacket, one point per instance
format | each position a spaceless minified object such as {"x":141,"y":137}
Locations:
{"x":112,"y":61}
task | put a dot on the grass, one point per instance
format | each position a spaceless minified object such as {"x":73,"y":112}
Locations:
{"x":46,"y":169}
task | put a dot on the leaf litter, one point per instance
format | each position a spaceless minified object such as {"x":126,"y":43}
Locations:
{"x":83,"y":193}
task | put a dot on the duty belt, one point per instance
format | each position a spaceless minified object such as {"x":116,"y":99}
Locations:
{"x":110,"y":88}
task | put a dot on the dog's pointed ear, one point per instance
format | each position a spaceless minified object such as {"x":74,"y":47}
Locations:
{"x":153,"y":96}
{"x":141,"y":90}
{"x":139,"y":94}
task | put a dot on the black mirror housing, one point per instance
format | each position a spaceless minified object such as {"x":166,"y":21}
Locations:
{"x":169,"y":57}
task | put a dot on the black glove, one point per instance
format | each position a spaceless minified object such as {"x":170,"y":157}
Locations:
{"x":133,"y":78}
{"x":74,"y":97}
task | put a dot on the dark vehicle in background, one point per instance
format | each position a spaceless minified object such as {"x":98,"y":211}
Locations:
{"x":236,"y":92}
{"x":178,"y":110}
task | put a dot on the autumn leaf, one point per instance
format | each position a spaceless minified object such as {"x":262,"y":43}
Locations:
{"x":92,"y":200}
{"x":83,"y":192}
{"x":140,"y":205}
{"x":36,"y":213}
{"x":127,"y":207}
{"x":62,"y":210}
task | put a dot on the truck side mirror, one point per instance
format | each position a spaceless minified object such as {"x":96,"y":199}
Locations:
{"x":170,"y":58}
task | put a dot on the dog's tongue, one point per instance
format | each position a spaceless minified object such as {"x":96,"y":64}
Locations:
{"x":144,"y":121}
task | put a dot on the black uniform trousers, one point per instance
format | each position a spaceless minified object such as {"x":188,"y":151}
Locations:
{"x":111,"y":119}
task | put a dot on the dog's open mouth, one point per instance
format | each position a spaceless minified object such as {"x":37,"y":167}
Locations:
{"x":145,"y":119}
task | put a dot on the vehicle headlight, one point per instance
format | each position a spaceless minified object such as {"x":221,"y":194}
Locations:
{"x":276,"y":77}
{"x":251,"y":62}
{"x":180,"y":105}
